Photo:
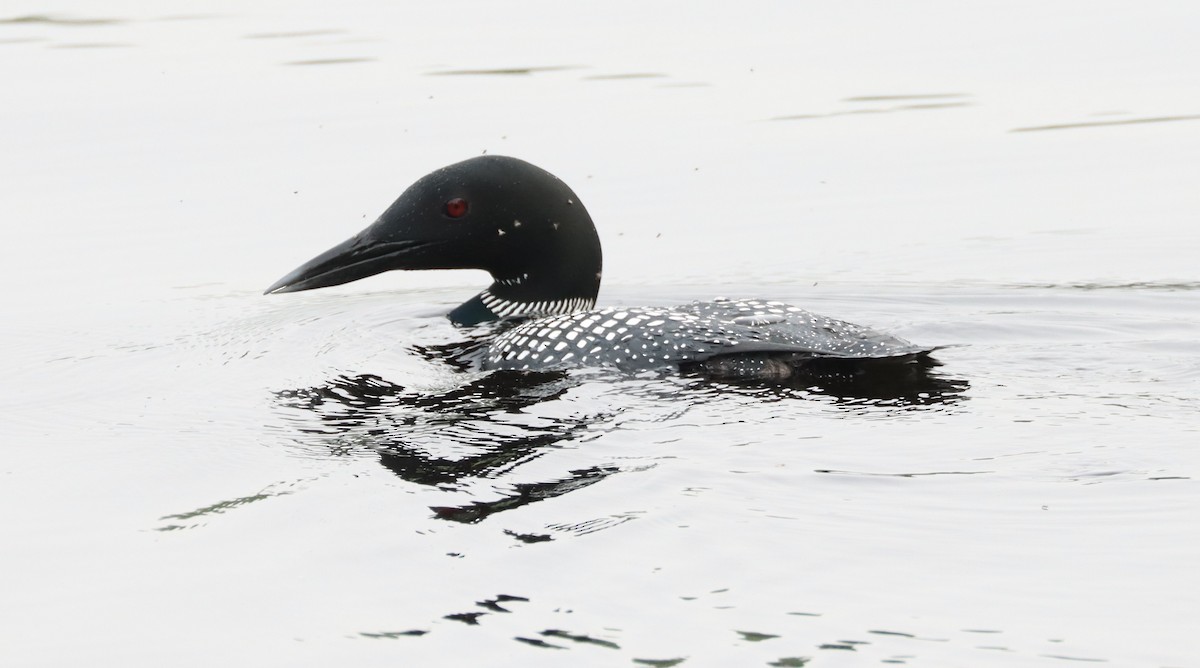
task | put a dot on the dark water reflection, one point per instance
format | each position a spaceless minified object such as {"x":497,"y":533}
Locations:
{"x":502,"y":71}
{"x":45,"y":19}
{"x":444,"y":439}
{"x":488,"y":427}
{"x":851,"y":385}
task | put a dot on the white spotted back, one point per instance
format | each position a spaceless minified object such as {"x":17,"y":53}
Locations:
{"x":651,"y":337}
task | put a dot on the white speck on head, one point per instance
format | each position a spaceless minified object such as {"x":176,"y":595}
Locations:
{"x":500,"y":232}
{"x":516,"y":223}
{"x":555,"y":225}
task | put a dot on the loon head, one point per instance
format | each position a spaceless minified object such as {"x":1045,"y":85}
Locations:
{"x":512,"y":219}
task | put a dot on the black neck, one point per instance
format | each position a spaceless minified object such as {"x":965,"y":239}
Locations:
{"x":472,"y":312}
{"x":546,"y":290}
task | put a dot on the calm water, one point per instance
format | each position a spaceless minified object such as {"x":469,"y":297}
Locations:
{"x":195,"y":474}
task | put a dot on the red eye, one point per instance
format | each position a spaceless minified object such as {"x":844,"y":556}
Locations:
{"x":456,"y":208}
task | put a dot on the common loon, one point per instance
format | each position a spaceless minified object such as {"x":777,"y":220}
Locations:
{"x":529,"y":230}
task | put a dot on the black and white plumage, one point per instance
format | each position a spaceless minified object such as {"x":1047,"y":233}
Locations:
{"x":632,"y":339}
{"x":530,"y":231}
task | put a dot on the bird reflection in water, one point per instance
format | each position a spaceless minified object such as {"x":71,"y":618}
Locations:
{"x":488,"y":427}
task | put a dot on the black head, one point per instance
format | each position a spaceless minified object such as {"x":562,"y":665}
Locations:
{"x":503,"y":215}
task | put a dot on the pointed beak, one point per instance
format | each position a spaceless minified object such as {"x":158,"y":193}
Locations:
{"x":358,"y":257}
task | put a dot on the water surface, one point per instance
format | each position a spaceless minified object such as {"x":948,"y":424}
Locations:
{"x":197,"y":474}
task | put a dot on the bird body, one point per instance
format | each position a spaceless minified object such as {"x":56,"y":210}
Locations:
{"x":530,"y":231}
